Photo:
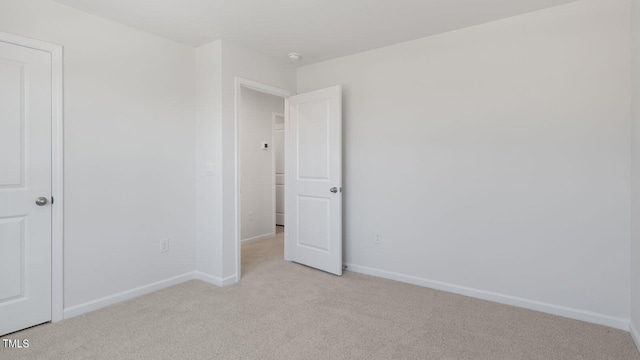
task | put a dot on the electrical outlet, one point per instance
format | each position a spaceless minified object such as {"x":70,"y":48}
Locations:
{"x":164,"y":245}
{"x":250,"y":215}
{"x":377,"y":240}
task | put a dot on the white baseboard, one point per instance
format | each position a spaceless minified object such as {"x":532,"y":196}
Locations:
{"x":214,"y":279}
{"x":258,"y":238}
{"x":635,"y":335}
{"x":596,"y":318}
{"x":93,"y":305}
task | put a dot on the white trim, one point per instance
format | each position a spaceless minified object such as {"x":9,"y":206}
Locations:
{"x":287,"y":174}
{"x":93,"y":305}
{"x":635,"y":335}
{"x":273,"y":163}
{"x":577,"y":314}
{"x":229,"y":280}
{"x":254,"y":85}
{"x":259,"y":237}
{"x":57,"y":191}
{"x":273,"y":168}
{"x":57,"y":168}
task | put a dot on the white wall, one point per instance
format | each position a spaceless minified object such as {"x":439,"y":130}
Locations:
{"x":241,"y":62}
{"x":502,"y":148}
{"x":494,"y":161}
{"x":218,"y":66}
{"x":209,"y":207}
{"x":129,"y":150}
{"x":635,"y":185}
{"x":257,"y":165}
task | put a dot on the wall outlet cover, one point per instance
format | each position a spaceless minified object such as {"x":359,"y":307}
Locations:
{"x":164,"y":245}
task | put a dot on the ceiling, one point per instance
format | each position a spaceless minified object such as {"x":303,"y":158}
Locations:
{"x":318,"y":29}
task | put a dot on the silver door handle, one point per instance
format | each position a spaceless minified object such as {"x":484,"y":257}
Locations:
{"x":334,"y":189}
{"x":41,"y":201}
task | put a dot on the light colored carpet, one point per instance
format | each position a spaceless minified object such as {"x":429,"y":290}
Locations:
{"x":283,"y":310}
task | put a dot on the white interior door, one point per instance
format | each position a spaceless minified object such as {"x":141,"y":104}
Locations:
{"x":313,"y":233}
{"x":25,"y":176}
{"x":278,"y":148}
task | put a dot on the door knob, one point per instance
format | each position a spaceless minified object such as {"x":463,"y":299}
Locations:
{"x":41,"y":201}
{"x":334,"y":189}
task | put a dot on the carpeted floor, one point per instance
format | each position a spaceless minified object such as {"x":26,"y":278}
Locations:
{"x":283,"y":310}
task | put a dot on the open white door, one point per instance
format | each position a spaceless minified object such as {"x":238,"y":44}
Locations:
{"x":25,"y":187}
{"x":313,"y":195}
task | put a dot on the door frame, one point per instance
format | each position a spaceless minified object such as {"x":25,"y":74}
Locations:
{"x":272,"y":90}
{"x":57,"y":169}
{"x":273,"y":163}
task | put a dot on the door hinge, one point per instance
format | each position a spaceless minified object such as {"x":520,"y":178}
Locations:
{"x":52,"y":200}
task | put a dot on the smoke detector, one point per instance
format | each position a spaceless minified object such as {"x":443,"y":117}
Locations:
{"x":294,"y":56}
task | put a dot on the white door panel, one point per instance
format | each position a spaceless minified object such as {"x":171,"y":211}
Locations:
{"x":12,"y":233}
{"x":11,"y":107}
{"x":313,"y":235}
{"x":278,"y":147}
{"x":278,"y":140}
{"x":313,"y":140}
{"x":25,"y":174}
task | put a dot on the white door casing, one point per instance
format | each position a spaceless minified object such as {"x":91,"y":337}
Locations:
{"x":25,"y":174}
{"x":313,"y":197}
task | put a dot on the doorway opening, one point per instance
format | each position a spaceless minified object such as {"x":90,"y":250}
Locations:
{"x":313,"y":152}
{"x":260,"y":130}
